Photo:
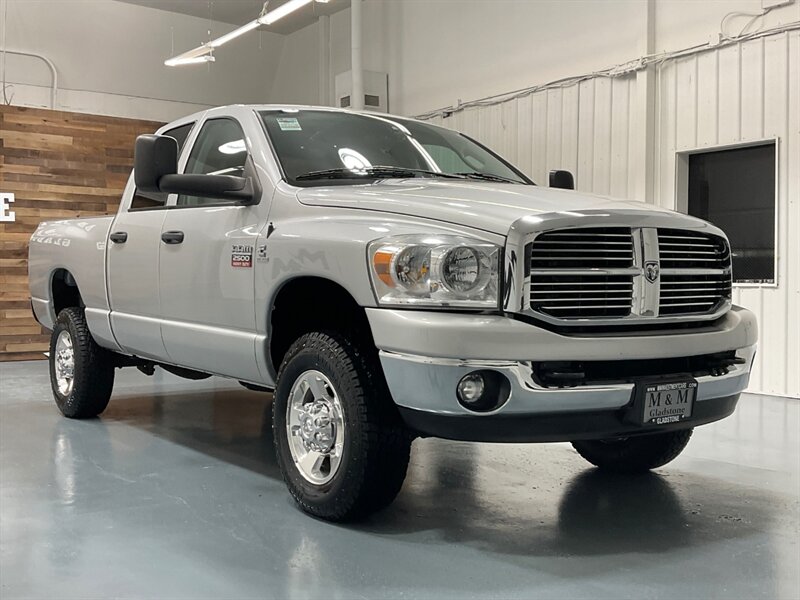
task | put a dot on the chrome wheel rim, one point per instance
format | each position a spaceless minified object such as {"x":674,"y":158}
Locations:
{"x":64,"y":363}
{"x":315,"y":427}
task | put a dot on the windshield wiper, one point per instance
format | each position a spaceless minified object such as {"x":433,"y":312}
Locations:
{"x":487,"y":177}
{"x":372,"y":172}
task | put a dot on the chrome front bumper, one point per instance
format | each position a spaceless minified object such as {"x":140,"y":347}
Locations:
{"x":429,"y":384}
{"x":425,"y":354}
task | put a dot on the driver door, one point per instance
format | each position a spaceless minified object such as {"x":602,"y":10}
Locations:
{"x":206,"y":265}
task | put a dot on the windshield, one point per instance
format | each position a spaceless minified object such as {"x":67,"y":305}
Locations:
{"x":321,"y":147}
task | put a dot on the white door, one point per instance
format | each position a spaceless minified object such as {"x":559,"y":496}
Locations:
{"x":133,"y":282}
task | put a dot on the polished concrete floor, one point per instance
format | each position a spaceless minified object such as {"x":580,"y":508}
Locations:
{"x":174,"y":493}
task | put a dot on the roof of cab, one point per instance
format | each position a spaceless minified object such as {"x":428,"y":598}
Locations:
{"x":281,"y":107}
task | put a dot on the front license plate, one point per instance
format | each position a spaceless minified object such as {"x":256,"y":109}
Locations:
{"x":668,"y":402}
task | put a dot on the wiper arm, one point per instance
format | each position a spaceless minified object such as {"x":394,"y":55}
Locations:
{"x":487,"y":177}
{"x":371,"y":172}
{"x":342,"y":173}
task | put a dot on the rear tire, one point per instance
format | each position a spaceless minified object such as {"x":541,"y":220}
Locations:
{"x":634,"y":454}
{"x":325,"y":378}
{"x":81,"y":372}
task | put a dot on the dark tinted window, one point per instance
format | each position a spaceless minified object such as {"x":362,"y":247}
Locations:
{"x":142,"y":200}
{"x":218,"y":150}
{"x":180,"y":134}
{"x":735,"y":190}
{"x":315,"y":140}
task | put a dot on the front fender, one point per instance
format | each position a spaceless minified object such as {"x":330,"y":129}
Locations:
{"x":331,"y":244}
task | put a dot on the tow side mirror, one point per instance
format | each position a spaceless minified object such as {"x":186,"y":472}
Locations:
{"x":562,"y":180}
{"x":155,"y":167}
{"x":154,"y":156}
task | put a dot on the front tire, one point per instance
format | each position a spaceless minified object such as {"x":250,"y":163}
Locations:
{"x":81,"y":374}
{"x":634,"y":454}
{"x":341,"y":446}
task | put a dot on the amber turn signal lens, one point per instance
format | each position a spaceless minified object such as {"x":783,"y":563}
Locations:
{"x":382,"y":262}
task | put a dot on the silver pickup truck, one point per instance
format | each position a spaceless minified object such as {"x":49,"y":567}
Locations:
{"x":386,"y":279}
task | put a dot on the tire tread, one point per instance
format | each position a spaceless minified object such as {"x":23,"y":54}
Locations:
{"x":94,"y":373}
{"x":636,"y":454}
{"x":387,"y":441}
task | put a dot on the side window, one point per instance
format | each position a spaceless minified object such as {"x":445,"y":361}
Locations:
{"x":219,"y":150}
{"x":144,"y":200}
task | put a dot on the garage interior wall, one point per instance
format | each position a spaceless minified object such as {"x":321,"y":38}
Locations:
{"x":59,"y":165}
{"x":109,"y":57}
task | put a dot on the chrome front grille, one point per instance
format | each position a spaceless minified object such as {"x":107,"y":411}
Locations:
{"x":695,"y":272}
{"x":614,"y":273}
{"x":562,"y":284}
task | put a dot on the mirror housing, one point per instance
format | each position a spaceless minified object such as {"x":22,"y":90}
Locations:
{"x":154,"y":156}
{"x":221,"y":187}
{"x":155,"y":169}
{"x":562,"y":180}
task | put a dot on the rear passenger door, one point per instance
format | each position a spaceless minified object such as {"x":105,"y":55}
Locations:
{"x":133,"y":268}
{"x":206,"y":264}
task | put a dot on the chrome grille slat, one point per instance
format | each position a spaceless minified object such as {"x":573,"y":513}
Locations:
{"x":585,"y":306}
{"x":706,"y":304}
{"x":568,"y":243}
{"x":554,"y":302}
{"x":584,"y":233}
{"x":546,"y":251}
{"x":585,"y":283}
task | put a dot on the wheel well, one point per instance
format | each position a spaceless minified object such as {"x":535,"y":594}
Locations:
{"x":314,"y":304}
{"x":64,"y":291}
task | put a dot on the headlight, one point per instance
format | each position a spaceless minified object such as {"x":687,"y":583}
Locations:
{"x":437,"y":270}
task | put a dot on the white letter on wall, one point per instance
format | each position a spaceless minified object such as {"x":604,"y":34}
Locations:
{"x":6,"y":214}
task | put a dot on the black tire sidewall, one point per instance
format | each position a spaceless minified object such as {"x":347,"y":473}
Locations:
{"x":93,"y":375}
{"x":345,"y":485}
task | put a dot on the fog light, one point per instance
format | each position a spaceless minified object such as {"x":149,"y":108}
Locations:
{"x":483,"y":391}
{"x":470,"y":388}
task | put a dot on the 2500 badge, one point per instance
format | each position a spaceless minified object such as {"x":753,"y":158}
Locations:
{"x":242,"y":256}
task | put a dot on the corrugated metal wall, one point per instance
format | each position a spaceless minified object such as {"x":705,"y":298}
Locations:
{"x":738,"y":94}
{"x":585,"y":128}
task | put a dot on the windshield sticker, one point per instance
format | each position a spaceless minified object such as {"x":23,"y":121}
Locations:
{"x":242,"y":256}
{"x":288,"y":124}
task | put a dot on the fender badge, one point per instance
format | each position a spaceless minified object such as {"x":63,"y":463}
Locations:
{"x":242,"y":256}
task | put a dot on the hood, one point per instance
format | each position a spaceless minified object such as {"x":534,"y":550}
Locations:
{"x":479,"y":205}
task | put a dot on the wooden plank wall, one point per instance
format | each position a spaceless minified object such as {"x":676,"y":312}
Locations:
{"x":59,"y":165}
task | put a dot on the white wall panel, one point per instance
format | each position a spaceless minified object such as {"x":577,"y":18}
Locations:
{"x":738,"y":94}
{"x":741,"y":94}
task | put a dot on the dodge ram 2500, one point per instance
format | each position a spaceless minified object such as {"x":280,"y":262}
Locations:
{"x":386,"y":279}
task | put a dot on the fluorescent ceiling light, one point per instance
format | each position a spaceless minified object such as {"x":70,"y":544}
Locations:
{"x":233,"y":34}
{"x":189,"y":60}
{"x":201,"y":53}
{"x":282,"y":11}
